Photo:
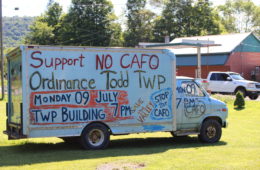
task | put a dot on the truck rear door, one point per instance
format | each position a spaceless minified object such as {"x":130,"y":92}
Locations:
{"x":14,"y":105}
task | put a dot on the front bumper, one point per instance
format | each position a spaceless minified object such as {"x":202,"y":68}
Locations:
{"x":253,"y":90}
{"x":256,"y":88}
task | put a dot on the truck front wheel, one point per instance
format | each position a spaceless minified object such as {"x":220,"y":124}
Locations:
{"x":210,"y":131}
{"x":253,"y":96}
{"x":95,"y":136}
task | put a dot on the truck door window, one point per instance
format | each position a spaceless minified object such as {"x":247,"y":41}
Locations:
{"x":191,"y":89}
{"x":221,"y":77}
{"x":213,"y":76}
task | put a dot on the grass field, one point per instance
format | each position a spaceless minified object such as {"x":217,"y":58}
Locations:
{"x":239,"y":148}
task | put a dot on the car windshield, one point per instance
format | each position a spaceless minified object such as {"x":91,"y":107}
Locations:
{"x":236,"y":76}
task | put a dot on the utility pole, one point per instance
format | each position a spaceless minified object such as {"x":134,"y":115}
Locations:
{"x":1,"y":52}
{"x":198,"y":62}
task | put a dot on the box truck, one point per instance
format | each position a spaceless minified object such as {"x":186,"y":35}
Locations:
{"x":90,"y":93}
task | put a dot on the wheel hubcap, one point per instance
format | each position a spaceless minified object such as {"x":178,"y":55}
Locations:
{"x":96,"y":137}
{"x":211,"y":131}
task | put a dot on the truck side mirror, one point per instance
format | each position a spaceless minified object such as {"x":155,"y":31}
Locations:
{"x":229,"y":79}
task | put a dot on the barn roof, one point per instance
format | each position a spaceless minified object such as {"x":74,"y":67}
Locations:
{"x":228,"y":43}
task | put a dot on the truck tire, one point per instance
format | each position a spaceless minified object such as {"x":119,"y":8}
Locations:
{"x":210,"y":131}
{"x":253,"y":96}
{"x":241,"y":90}
{"x":95,"y":136}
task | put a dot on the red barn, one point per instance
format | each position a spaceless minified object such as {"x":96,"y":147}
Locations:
{"x":238,"y":53}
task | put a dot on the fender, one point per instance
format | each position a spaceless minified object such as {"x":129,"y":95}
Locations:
{"x":210,"y":116}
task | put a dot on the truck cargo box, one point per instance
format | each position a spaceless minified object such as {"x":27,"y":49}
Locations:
{"x":57,"y":91}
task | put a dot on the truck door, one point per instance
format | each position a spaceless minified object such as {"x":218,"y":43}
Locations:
{"x":14,"y":105}
{"x":219,"y":82}
{"x":215,"y":82}
{"x":228,"y":85}
{"x":194,"y":104}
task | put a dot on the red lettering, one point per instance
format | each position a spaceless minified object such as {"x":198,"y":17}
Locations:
{"x":155,"y":65}
{"x":104,"y":62}
{"x":151,"y":61}
{"x":36,"y":58}
{"x":121,"y":61}
{"x":81,"y":58}
{"x":135,"y":60}
{"x":63,"y":62}
{"x":51,"y":63}
{"x":142,"y":61}
{"x":99,"y":62}
{"x":57,"y":62}
{"x":70,"y":62}
{"x":111,"y":61}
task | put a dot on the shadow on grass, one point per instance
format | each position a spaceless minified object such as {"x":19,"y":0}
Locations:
{"x":32,"y":153}
{"x":239,"y":109}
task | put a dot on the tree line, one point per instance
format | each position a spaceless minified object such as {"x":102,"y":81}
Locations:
{"x":14,"y":30}
{"x":93,"y":22}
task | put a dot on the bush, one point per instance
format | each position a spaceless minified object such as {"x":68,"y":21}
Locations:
{"x":239,"y":101}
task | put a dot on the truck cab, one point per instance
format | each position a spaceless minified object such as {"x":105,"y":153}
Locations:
{"x":195,"y":107}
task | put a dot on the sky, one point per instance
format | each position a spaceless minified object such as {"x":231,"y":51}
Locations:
{"x":37,"y":7}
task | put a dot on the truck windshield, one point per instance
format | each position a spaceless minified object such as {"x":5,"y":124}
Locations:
{"x":236,"y":76}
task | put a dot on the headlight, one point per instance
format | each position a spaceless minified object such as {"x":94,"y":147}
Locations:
{"x":251,"y":85}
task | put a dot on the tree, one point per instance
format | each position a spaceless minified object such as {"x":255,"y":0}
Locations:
{"x":240,"y":16}
{"x":116,"y":38}
{"x":53,"y":14}
{"x":227,"y":16}
{"x":239,"y":101}
{"x":208,"y":21}
{"x":139,"y":23}
{"x":14,"y":30}
{"x":88,"y":22}
{"x":187,"y":18}
{"x":40,"y":33}
{"x":46,"y":27}
{"x":256,"y":19}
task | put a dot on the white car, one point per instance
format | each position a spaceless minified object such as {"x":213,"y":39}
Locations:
{"x":231,"y":82}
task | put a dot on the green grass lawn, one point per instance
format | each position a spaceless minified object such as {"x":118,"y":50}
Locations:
{"x":239,"y":148}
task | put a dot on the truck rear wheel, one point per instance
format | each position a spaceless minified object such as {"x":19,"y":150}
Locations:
{"x":210,"y":131}
{"x":95,"y":136}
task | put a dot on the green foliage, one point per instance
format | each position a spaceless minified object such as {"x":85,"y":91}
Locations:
{"x":240,"y":16}
{"x":116,"y":39}
{"x":40,"y":33}
{"x":88,"y":22}
{"x":239,"y":101}
{"x":139,"y":23}
{"x":93,"y":23}
{"x":181,"y":18}
{"x":45,"y":29}
{"x":14,"y":30}
{"x":256,"y":19}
